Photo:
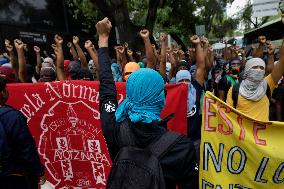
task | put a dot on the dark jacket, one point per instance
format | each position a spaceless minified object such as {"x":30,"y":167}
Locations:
{"x":18,"y":152}
{"x":178,"y":164}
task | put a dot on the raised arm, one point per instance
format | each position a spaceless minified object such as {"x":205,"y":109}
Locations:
{"x":121,"y":56}
{"x":108,"y":101}
{"x":93,"y":53}
{"x":270,"y":60}
{"x":130,"y":55}
{"x":243,"y":51}
{"x":59,"y":58}
{"x":163,"y":41}
{"x":12,"y":56}
{"x":278,"y":70}
{"x":38,"y":60}
{"x":148,"y":48}
{"x":200,"y":60}
{"x":83,"y":60}
{"x":259,"y":50}
{"x":73,"y":51}
{"x":22,"y":60}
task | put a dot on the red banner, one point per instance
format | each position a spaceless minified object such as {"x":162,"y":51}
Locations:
{"x":63,"y":118}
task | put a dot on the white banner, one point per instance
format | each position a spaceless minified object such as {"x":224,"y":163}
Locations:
{"x":261,"y":8}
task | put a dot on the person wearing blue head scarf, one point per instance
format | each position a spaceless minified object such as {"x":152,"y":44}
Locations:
{"x":138,"y":119}
{"x":145,"y":97}
{"x":116,"y":72}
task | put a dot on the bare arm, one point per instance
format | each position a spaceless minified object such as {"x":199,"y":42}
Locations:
{"x":278,"y":70}
{"x":148,"y":48}
{"x":243,"y":56}
{"x":73,"y":51}
{"x":270,"y":60}
{"x":163,"y":39}
{"x":38,"y":60}
{"x":200,"y":60}
{"x":259,"y":50}
{"x":59,"y":58}
{"x":12,"y":56}
{"x":93,"y":53}
{"x":83,"y":60}
{"x":130,"y":55}
{"x":22,"y":60}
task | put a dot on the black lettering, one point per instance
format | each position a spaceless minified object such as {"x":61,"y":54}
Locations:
{"x":242,"y":160}
{"x":209,"y":151}
{"x":277,"y":174}
{"x":260,"y":171}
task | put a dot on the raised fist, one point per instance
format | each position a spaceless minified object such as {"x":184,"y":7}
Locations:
{"x":69,"y":44}
{"x":18,"y":44}
{"x":195,"y":40}
{"x":204,"y":40}
{"x":58,"y":39}
{"x":163,"y":37}
{"x":36,"y":49}
{"x":7,"y":42}
{"x":129,"y":52}
{"x":271,"y":49}
{"x":168,"y":49}
{"x":144,"y":33}
{"x":126,"y":45}
{"x":138,"y":53}
{"x":103,"y":27}
{"x":210,"y":49}
{"x":120,"y":49}
{"x":88,"y":44}
{"x":75,"y":40}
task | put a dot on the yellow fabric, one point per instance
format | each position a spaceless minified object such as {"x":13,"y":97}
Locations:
{"x":256,"y":110}
{"x":237,"y":151}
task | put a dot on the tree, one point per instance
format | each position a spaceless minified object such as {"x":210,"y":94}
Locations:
{"x":177,"y":17}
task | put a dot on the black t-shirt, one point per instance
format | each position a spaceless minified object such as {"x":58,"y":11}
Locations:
{"x":194,"y":117}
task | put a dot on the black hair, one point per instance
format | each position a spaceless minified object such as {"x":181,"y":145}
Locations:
{"x":2,"y":84}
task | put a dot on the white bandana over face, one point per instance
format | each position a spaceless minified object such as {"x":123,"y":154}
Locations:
{"x":253,"y":87}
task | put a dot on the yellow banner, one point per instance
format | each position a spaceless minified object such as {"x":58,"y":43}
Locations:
{"x":239,"y":152}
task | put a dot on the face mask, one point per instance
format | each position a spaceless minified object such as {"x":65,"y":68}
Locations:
{"x":255,"y":75}
{"x":235,"y":70}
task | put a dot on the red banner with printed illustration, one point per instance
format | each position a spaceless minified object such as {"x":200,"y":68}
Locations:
{"x":63,"y":118}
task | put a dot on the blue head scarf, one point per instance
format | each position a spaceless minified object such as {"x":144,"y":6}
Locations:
{"x":145,"y":97}
{"x":115,"y":68}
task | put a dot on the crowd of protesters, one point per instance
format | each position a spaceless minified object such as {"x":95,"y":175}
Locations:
{"x":246,"y":79}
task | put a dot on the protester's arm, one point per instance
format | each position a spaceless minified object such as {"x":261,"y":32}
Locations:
{"x":93,"y":53}
{"x":270,"y":60}
{"x":243,"y":56}
{"x":173,"y":60}
{"x":12,"y":56}
{"x":59,"y":58}
{"x":38,"y":59}
{"x":83,"y":60}
{"x":148,"y":48}
{"x":130,"y":55}
{"x":107,"y":89}
{"x":122,"y":56}
{"x":163,"y":40}
{"x":19,"y":45}
{"x":200,"y":60}
{"x":211,"y":57}
{"x":73,"y":51}
{"x":278,"y":70}
{"x":259,"y":50}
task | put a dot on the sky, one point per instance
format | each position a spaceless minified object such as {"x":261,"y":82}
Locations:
{"x":236,"y":6}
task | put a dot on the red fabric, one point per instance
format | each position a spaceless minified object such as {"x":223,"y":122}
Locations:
{"x":63,"y":118}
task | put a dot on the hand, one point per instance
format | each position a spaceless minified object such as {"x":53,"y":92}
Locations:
{"x":103,"y":27}
{"x":88,"y":44}
{"x":211,"y":49}
{"x":75,"y":40}
{"x":55,"y":48}
{"x":36,"y":49}
{"x":204,"y":40}
{"x":138,"y":53}
{"x":126,"y":45}
{"x":9,"y":48}
{"x":195,"y":40}
{"x":271,"y":49}
{"x":18,"y":44}
{"x":7,"y":42}
{"x":58,"y":39}
{"x":26,"y":47}
{"x":129,"y":52}
{"x":154,"y":46}
{"x":175,"y":51}
{"x":262,"y":39}
{"x":69,"y":44}
{"x":243,"y":51}
{"x":168,"y":49}
{"x":181,"y":52}
{"x":144,"y":34}
{"x":163,"y":37}
{"x":120,"y":49}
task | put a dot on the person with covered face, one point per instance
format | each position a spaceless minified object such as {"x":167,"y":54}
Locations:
{"x":230,"y":79}
{"x":251,"y":96}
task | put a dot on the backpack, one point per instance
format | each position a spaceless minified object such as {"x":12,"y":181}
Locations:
{"x":236,"y":90}
{"x":138,"y":168}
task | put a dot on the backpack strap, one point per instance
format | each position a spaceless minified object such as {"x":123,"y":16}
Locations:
{"x":125,"y":136}
{"x":235,"y":94}
{"x":160,"y":147}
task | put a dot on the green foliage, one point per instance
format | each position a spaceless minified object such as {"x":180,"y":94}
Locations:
{"x":85,"y":11}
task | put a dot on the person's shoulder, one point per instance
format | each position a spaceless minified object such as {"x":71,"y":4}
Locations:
{"x":271,"y":82}
{"x":9,"y":111}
